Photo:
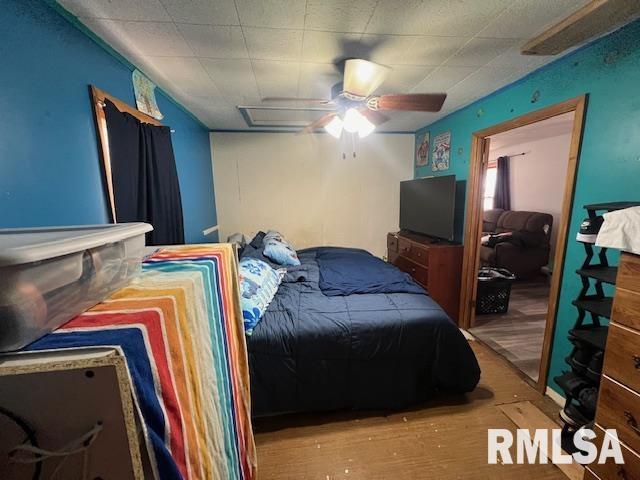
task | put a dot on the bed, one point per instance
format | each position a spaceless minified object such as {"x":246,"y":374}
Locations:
{"x":349,"y":331}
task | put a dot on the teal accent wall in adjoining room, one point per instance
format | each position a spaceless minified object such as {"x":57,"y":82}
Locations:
{"x":50,"y":172}
{"x":608,"y":70}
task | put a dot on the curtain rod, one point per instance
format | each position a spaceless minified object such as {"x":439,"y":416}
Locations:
{"x":102,"y":105}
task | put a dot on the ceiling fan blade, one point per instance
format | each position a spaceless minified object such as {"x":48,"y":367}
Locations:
{"x":362,"y":78}
{"x":373,"y":116}
{"x":296,"y":99}
{"x":413,"y":102}
{"x":319,"y":123}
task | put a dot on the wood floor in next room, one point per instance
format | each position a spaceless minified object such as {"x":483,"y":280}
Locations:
{"x":444,"y":439}
{"x":518,"y":334}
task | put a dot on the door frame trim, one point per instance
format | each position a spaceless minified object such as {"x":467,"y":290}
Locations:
{"x":473,"y":223}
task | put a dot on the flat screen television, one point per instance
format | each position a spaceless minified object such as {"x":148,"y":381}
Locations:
{"x":427,"y":206}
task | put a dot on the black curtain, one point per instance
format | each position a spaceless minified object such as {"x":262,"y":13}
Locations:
{"x":502,"y":196}
{"x":144,"y":175}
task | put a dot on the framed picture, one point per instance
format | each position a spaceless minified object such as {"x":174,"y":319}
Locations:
{"x":422,"y":152}
{"x":441,"y":152}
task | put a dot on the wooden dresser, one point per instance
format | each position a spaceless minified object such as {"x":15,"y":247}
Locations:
{"x":619,"y":398}
{"x":437,"y":266}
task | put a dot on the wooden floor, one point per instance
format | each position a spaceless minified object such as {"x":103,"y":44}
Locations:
{"x":518,"y":334}
{"x":445,"y":439}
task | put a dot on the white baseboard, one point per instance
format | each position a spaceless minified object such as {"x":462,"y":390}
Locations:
{"x":555,"y":396}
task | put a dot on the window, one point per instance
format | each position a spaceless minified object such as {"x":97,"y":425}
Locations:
{"x":490,"y":186}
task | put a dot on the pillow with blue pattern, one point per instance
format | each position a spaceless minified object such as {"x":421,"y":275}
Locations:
{"x":277,"y":249}
{"x":258,"y":285}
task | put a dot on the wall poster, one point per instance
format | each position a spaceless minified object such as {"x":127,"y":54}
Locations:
{"x":441,"y":152}
{"x":145,"y":93}
{"x":422,"y":152}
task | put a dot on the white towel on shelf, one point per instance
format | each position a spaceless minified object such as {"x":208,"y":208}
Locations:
{"x":621,"y":230}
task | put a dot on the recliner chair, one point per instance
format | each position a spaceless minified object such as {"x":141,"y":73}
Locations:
{"x":530,"y":249}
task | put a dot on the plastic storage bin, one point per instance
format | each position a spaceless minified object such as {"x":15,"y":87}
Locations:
{"x":494,"y":290}
{"x":50,"y":275}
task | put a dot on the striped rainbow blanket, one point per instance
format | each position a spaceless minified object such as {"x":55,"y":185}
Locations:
{"x":179,"y":327}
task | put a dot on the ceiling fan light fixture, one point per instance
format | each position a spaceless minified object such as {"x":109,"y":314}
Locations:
{"x":366,"y":129}
{"x":354,"y":121}
{"x":361,"y":77}
{"x":334,"y":127}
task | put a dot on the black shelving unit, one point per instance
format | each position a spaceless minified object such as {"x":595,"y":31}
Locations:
{"x":588,"y":335}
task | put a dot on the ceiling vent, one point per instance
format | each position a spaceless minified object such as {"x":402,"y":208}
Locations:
{"x":282,"y":117}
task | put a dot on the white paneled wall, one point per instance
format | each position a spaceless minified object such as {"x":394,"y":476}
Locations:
{"x":537,"y":179}
{"x":302,"y":186}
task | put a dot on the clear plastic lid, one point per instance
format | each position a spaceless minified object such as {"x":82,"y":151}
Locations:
{"x":26,"y":245}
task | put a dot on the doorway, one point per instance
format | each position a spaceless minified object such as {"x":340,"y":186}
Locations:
{"x":523,"y":331}
{"x":522,"y":203}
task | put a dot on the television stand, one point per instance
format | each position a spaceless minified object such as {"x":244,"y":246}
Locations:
{"x":433,"y":263}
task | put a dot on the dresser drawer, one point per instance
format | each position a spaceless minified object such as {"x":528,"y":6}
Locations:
{"x":414,"y":251}
{"x":404,"y":246}
{"x":626,"y":308}
{"x":392,"y":244}
{"x":622,"y":359}
{"x":629,"y":272}
{"x":629,"y":471}
{"x":419,"y":254}
{"x":619,"y":408}
{"x":419,"y":273}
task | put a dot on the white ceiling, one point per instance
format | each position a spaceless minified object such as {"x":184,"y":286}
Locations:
{"x":551,"y":127}
{"x":213,"y":55}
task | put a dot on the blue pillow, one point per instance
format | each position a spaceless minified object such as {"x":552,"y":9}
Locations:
{"x":251,"y":252}
{"x":258,"y":285}
{"x":278,"y":250}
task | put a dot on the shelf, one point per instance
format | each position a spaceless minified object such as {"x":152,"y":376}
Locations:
{"x":594,"y":336}
{"x":600,"y":273}
{"x":611,"y":206}
{"x":581,"y":371}
{"x":599,"y":306}
{"x":565,"y":380}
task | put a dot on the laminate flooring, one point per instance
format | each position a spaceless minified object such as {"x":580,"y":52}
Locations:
{"x":518,"y":334}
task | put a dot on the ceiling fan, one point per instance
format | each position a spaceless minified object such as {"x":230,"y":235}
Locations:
{"x":357,"y":110}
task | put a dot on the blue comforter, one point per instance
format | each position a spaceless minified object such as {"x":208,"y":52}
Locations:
{"x":346,"y":271}
{"x":313,"y":352}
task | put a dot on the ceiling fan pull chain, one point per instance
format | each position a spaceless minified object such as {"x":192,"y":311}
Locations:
{"x":343,"y":141}
{"x":353,"y":144}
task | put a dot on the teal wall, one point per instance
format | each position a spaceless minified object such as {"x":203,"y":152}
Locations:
{"x":608,"y":70}
{"x":50,"y":172}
